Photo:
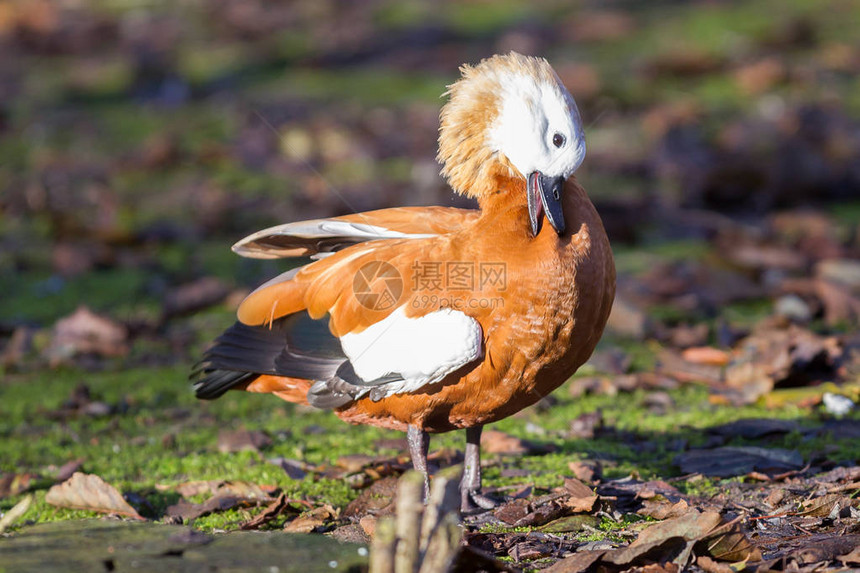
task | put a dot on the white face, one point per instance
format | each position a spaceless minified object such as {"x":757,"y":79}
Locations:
{"x":538,"y":128}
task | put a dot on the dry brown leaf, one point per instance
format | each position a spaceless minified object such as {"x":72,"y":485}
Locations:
{"x":13,"y":484}
{"x":824,"y":550}
{"x":272,"y":511}
{"x":577,"y":563}
{"x":240,"y":440}
{"x":310,"y":520}
{"x":825,"y":505}
{"x":219,"y":502}
{"x":664,"y":509}
{"x":691,"y":526}
{"x":582,"y":498}
{"x":246,"y":489}
{"x":512,"y":511}
{"x":496,"y":442}
{"x":586,"y":471}
{"x":89,"y":492}
{"x":728,"y":542}
{"x":84,"y":332}
{"x":191,"y":297}
{"x":68,"y":469}
{"x":378,"y":499}
{"x":852,"y":558}
{"x":711,"y":566}
{"x":542,"y":514}
{"x":571,"y":523}
{"x":192,"y":488}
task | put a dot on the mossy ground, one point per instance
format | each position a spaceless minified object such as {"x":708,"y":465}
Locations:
{"x":162,"y":435}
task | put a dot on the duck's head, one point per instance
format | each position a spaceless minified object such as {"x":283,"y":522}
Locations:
{"x":511,"y":115}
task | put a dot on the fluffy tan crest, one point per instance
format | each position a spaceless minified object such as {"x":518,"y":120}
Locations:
{"x":468,"y":162}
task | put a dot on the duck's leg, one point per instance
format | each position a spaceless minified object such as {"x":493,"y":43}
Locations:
{"x":471,"y":498}
{"x":419,"y":444}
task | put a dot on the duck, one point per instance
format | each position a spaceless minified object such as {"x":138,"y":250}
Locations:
{"x":434,"y":319}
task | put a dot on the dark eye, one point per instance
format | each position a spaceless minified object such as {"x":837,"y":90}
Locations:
{"x":558,"y":140}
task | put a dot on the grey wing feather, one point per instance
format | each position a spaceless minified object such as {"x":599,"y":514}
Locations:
{"x":314,"y":238}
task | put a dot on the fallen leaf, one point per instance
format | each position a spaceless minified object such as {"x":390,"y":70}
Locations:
{"x":68,"y":469}
{"x":530,"y":550}
{"x":542,"y":514}
{"x":354,"y":462}
{"x":240,"y":440}
{"x":89,"y":492}
{"x":571,"y":523}
{"x":824,"y":550}
{"x":84,"y":332}
{"x":191,"y":297}
{"x":272,"y":511}
{"x":761,"y":76}
{"x":840,"y":304}
{"x":378,"y":499}
{"x":664,"y":509}
{"x":775,"y":497}
{"x":582,"y":498}
{"x":692,"y":526}
{"x":749,"y":381}
{"x":711,"y":566}
{"x":14,"y":484}
{"x":825,"y":505}
{"x":192,"y":488}
{"x":368,"y":524}
{"x":586,"y":471}
{"x":218,"y":502}
{"x":728,"y":542}
{"x":294,"y":469}
{"x":672,"y":364}
{"x":755,"y":428}
{"x":246,"y":489}
{"x":311,"y":520}
{"x":577,"y":563}
{"x":512,"y":511}
{"x":673,"y":537}
{"x":496,"y":442}
{"x":852,"y":558}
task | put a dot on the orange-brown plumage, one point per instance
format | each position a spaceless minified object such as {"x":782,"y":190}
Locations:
{"x":537,"y":326}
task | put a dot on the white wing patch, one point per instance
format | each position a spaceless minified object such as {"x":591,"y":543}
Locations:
{"x":308,"y":238}
{"x":420,"y":350}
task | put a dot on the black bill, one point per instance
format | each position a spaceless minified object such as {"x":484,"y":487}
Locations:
{"x":544,"y":196}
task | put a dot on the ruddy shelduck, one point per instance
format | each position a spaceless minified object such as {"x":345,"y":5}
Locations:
{"x":428,"y":319}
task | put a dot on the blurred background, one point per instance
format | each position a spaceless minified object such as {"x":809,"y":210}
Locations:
{"x":140,"y":139}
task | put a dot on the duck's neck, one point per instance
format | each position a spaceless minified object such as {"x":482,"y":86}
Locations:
{"x":506,"y":206}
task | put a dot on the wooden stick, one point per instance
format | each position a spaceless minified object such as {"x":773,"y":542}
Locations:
{"x":384,"y":543}
{"x":410,"y":506}
{"x":443,"y":545}
{"x":444,"y":499}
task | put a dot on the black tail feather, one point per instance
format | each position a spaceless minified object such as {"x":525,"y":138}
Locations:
{"x":216,"y":382}
{"x":294,"y":346}
{"x":239,"y":355}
